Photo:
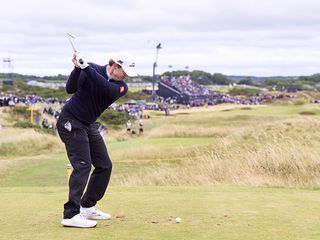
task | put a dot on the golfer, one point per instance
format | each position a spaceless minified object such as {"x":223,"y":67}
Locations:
{"x":94,"y":89}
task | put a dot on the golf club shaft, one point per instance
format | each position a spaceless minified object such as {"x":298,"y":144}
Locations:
{"x":74,"y":49}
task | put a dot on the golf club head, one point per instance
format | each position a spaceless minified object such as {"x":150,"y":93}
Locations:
{"x":71,"y":35}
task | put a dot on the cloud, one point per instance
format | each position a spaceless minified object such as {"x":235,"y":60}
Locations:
{"x":231,"y":36}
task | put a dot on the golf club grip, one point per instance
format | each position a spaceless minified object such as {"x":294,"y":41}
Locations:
{"x":80,"y":61}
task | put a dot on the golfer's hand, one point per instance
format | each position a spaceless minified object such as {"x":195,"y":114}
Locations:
{"x":74,"y":60}
{"x":79,"y":62}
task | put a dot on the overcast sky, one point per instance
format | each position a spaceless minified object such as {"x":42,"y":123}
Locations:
{"x":233,"y":37}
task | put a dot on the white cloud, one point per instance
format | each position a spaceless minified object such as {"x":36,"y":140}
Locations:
{"x":274,"y":37}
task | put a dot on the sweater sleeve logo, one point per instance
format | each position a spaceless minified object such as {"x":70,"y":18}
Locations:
{"x":121,"y":89}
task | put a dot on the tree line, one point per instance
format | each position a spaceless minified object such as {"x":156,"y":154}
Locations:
{"x":311,"y":82}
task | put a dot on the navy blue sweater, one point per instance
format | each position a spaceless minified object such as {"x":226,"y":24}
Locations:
{"x":93,"y":92}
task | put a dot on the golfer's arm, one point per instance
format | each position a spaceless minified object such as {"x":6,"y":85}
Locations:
{"x":111,"y":89}
{"x":72,"y":83}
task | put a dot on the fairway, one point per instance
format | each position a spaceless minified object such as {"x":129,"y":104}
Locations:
{"x":229,"y":172}
{"x":221,"y":212}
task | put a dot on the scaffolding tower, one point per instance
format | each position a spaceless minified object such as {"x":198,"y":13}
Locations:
{"x":7,"y":71}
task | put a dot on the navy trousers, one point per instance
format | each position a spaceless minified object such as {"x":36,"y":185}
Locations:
{"x":85,"y":147}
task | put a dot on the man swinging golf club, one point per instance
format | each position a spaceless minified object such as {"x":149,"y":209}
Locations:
{"x":94,"y":88}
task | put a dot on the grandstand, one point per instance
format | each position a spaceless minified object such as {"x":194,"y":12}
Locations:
{"x":186,"y":91}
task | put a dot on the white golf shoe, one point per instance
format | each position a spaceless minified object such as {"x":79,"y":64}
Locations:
{"x":94,"y":213}
{"x":78,"y":221}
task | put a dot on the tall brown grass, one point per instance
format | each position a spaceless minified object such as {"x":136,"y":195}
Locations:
{"x":26,"y":142}
{"x":284,"y":152}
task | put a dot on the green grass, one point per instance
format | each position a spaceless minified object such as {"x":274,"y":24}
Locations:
{"x":135,"y":89}
{"x":45,"y":170}
{"x":221,"y":212}
{"x":201,"y":165}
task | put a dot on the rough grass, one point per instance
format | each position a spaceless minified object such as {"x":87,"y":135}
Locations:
{"x":264,"y":146}
{"x":237,"y":149}
{"x":22,"y":142}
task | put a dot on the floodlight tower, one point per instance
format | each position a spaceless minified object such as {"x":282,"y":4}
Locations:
{"x":154,"y":73}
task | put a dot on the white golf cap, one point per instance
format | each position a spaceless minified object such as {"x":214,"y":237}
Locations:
{"x":127,"y":65}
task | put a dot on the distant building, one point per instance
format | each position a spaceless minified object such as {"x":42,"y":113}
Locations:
{"x":47,"y":84}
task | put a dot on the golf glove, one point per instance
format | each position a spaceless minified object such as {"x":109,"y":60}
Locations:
{"x":81,"y":63}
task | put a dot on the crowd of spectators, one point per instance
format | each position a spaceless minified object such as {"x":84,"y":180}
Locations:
{"x":220,"y":98}
{"x":185,"y":85}
{"x":133,"y":109}
{"x":51,"y":112}
{"x":193,"y":94}
{"x":11,"y":100}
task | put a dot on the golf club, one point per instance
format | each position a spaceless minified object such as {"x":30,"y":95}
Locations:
{"x":70,"y":37}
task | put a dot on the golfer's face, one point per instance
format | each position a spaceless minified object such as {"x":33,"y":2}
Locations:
{"x":118,"y":73}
